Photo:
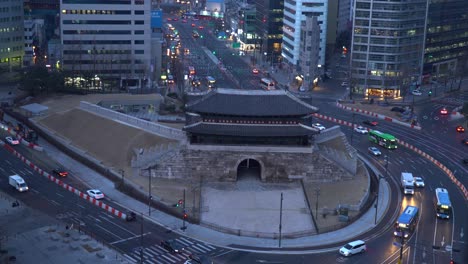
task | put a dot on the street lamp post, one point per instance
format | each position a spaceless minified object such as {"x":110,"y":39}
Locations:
{"x":281,"y":220}
{"x":317,"y":193}
{"x":378,"y":187}
{"x":122,"y":174}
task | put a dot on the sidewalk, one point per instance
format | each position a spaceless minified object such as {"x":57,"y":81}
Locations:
{"x":29,"y":236}
{"x":91,"y":178}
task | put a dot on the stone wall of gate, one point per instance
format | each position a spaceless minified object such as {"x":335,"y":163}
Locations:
{"x":220,"y":163}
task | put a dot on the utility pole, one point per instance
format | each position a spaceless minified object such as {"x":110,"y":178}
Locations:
{"x":150,"y":197}
{"x":141,"y":240}
{"x":402,"y":241}
{"x":122,"y":174}
{"x":281,"y":218}
{"x":377,"y":200}
{"x":184,"y":215}
{"x":317,"y":193}
{"x":352,"y":129}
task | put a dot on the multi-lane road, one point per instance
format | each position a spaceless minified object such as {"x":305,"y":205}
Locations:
{"x":434,"y":241}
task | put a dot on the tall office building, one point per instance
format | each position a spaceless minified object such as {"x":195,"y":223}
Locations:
{"x":11,"y":34}
{"x":309,"y":48}
{"x":446,"y":38}
{"x":387,"y":46}
{"x":296,"y":11}
{"x":107,"y":40}
{"x":269,"y":23}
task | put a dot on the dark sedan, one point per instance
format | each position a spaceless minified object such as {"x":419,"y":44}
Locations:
{"x":60,"y":172}
{"x":370,"y":122}
{"x":465,"y":141}
{"x":172,"y":246}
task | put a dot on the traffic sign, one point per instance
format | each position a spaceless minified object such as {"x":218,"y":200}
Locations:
{"x":396,"y":244}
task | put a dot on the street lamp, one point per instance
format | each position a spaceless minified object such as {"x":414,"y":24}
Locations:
{"x":122,"y":174}
{"x":317,"y":193}
{"x":9,"y":59}
{"x":378,"y":187}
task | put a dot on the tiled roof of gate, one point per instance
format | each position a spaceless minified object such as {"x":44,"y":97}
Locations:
{"x":250,"y":103}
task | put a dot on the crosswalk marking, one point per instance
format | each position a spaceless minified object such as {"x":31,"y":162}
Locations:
{"x":172,"y":261}
{"x":151,"y":249}
{"x":130,"y":258}
{"x":204,"y":246}
{"x":185,"y":240}
{"x":157,"y":254}
{"x":200,"y":250}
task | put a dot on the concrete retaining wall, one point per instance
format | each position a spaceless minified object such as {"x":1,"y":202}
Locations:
{"x":148,"y":126}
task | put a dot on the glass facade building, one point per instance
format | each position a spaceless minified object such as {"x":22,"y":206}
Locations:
{"x":11,"y":34}
{"x":107,"y":40}
{"x":269,"y":28}
{"x":446,"y":37}
{"x":387,"y":46}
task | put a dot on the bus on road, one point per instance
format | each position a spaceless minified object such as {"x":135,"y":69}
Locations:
{"x":442,"y":203}
{"x":267,"y":84}
{"x":210,"y":82}
{"x":407,"y":222}
{"x":383,"y":139}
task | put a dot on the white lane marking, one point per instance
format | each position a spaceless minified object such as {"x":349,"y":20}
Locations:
{"x":107,"y":220}
{"x":130,"y":238}
{"x":59,"y":194}
{"x":435,"y":232}
{"x":108,"y":231}
{"x":223,"y":253}
{"x":54,"y":202}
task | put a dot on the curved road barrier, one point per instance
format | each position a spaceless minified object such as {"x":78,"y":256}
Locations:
{"x":411,"y":147}
{"x":67,"y":187}
{"x":379,"y":116}
{"x":22,"y":140}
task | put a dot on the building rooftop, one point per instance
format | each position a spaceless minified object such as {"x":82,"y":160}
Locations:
{"x":250,"y":130}
{"x":250,"y":103}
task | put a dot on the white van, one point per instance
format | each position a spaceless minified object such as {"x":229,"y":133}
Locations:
{"x":352,"y":248}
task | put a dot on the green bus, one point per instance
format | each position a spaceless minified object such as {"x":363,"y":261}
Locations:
{"x":383,"y":139}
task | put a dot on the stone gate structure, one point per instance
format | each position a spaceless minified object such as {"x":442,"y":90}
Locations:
{"x":227,"y":127}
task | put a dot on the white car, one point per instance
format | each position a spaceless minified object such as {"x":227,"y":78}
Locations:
{"x":318,"y":126}
{"x":418,"y":182}
{"x":416,"y":92}
{"x":374,"y":151}
{"x":361,"y":130}
{"x":12,"y":140}
{"x":96,"y":194}
{"x":343,"y":84}
{"x":352,"y":248}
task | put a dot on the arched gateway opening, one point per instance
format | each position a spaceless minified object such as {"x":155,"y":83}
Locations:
{"x":249,"y":169}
